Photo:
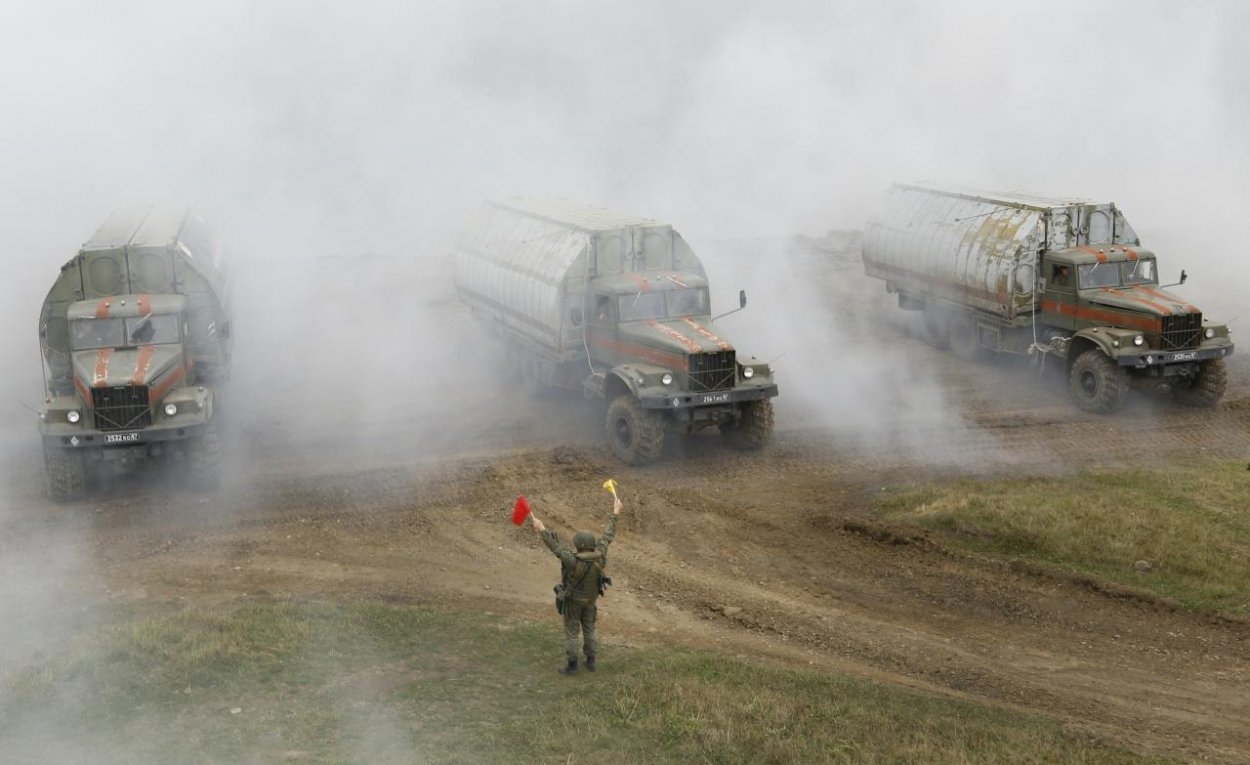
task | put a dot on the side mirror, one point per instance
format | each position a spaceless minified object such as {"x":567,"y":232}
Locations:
{"x":1184,"y":276}
{"x":575,"y":315}
{"x":742,"y":298}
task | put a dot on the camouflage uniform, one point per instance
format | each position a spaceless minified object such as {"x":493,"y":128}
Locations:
{"x":581,"y":571}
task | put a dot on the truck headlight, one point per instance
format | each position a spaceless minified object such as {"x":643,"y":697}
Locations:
{"x":667,"y":379}
{"x":748,"y":373}
{"x":171,"y":410}
{"x":1138,"y":340}
{"x":73,"y":415}
{"x":1209,"y":333}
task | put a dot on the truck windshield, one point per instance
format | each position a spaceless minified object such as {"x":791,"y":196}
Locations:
{"x":669,"y":304}
{"x":1118,"y":274}
{"x":119,"y":333}
{"x":1139,"y":272}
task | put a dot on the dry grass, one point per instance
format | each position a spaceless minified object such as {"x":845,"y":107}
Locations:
{"x":376,"y":683}
{"x":1190,"y":525}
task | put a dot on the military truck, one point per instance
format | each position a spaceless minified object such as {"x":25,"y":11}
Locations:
{"x":135,"y":335}
{"x":616,"y":306}
{"x":1052,"y":277}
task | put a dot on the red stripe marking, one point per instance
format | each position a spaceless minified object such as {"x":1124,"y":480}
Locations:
{"x":690,"y":345}
{"x":1099,"y":254}
{"x":1108,"y":317}
{"x":643,"y":284}
{"x":142,"y":364}
{"x":1131,"y":296}
{"x":1132,"y":254}
{"x":1164,"y":296}
{"x":101,"y":367}
{"x":670,"y":360}
{"x":675,"y":280}
{"x":702,"y":330}
{"x":145,"y":305}
{"x":102,"y":309}
{"x":157,"y":391}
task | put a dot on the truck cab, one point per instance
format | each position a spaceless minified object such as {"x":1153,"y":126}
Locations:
{"x":135,"y":335}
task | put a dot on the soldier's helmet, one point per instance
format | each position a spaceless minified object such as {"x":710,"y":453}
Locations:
{"x":584,"y":540}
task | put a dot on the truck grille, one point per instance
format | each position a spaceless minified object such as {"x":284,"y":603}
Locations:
{"x":124,"y":407}
{"x":1179,"y":332}
{"x":712,"y":371}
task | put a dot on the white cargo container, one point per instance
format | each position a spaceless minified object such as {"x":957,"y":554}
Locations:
{"x":1065,"y":277}
{"x":617,"y":306}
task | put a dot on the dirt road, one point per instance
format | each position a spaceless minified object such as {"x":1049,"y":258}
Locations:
{"x":774,"y":555}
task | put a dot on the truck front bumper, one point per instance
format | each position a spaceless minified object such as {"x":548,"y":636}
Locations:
{"x":95,"y":439}
{"x":1165,"y":358}
{"x":688,"y":400}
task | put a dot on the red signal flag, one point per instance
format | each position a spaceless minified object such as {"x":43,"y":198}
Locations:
{"x":520,"y":511}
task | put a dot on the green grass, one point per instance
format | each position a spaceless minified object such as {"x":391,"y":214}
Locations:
{"x":381,"y":683}
{"x":1191,"y":523}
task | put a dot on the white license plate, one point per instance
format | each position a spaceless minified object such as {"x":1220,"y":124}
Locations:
{"x":120,"y":438}
{"x":714,"y":398}
{"x":1185,"y":356}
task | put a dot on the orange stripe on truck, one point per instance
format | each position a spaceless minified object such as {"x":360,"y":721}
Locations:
{"x":172,"y":379}
{"x":145,"y":305}
{"x":1106,"y":317}
{"x":102,"y":309}
{"x":142,"y":364}
{"x":702,"y":330}
{"x":670,"y":360}
{"x":1164,"y":296}
{"x":1099,"y":254}
{"x":101,"y":367}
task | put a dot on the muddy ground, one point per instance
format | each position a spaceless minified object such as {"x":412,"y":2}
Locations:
{"x":775,"y":555}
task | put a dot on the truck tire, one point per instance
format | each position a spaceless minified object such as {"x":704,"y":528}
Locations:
{"x":203,"y":455}
{"x":753,"y":429}
{"x":962,"y":332}
{"x":636,"y":435}
{"x":1205,"y":388}
{"x":66,"y":472}
{"x":1096,"y":383}
{"x":935,"y":327}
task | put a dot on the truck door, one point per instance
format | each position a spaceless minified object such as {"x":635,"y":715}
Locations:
{"x":1059,"y":299}
{"x":601,"y":329}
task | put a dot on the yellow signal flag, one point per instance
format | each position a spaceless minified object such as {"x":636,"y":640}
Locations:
{"x":610,"y":485}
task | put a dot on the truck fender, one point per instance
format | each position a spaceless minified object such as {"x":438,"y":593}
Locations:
{"x":1085,"y":339}
{"x":619,"y":380}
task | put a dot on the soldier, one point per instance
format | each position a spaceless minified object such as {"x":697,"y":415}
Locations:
{"x":580,"y":572}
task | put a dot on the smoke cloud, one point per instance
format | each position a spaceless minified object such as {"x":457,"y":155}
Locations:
{"x":339,"y":147}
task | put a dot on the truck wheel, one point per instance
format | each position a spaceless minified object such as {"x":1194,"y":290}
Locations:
{"x":935,"y":327}
{"x":1096,"y":383}
{"x":963,"y":336}
{"x":1205,"y":388}
{"x":753,"y":429}
{"x":66,"y":474}
{"x":636,"y":435}
{"x":204,"y":459}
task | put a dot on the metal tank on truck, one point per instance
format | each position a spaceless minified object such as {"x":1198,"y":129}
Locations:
{"x":135,"y":335}
{"x":1061,"y":277}
{"x":618,"y":307}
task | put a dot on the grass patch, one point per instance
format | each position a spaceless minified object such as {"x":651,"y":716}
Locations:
{"x":1190,"y":524}
{"x":382,"y":683}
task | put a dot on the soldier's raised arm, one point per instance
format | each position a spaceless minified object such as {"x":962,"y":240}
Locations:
{"x":609,"y":532}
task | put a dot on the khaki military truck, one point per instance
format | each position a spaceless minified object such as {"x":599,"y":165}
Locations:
{"x":1054,"y":277}
{"x":135,"y":335}
{"x":616,"y":306}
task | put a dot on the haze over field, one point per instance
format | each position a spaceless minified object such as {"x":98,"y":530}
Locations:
{"x":333,"y":143}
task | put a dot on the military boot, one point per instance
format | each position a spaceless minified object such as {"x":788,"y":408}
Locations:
{"x":590,"y":664}
{"x":571,"y":669}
